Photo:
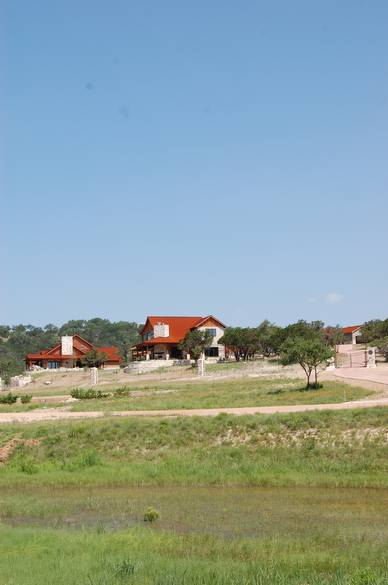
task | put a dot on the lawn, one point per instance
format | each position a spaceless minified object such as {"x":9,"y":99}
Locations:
{"x":222,"y":393}
{"x":297,"y":499}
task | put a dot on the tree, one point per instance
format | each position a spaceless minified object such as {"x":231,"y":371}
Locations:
{"x":376,"y":329}
{"x":235,"y":340}
{"x":9,"y":367}
{"x":195,"y":342}
{"x":266,"y":334}
{"x":94,"y":359}
{"x":308,"y":353}
{"x":382,"y":347}
{"x":333,"y":335}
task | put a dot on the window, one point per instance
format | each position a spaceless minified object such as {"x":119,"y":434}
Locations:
{"x":211,"y":352}
{"x":53,"y":365}
{"x":148,"y":335}
{"x":212,"y":331}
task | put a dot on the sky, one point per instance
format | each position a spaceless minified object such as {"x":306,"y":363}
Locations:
{"x":194,"y":158}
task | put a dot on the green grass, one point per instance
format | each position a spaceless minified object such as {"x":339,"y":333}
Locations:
{"x":148,"y":557}
{"x":224,"y":393}
{"x":344,"y":448}
{"x":70,"y":514}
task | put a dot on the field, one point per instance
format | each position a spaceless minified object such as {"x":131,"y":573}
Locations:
{"x":196,"y":393}
{"x":298,"y":499}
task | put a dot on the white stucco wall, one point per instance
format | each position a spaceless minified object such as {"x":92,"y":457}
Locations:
{"x":219,"y":334}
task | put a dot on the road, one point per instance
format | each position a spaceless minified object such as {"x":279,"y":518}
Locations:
{"x":55,"y":414}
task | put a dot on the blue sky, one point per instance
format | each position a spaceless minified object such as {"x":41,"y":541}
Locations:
{"x":194,"y":157}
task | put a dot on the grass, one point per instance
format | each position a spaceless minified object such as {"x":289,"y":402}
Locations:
{"x":149,"y":557}
{"x":343,"y":448}
{"x":223,"y":393}
{"x":72,"y":501}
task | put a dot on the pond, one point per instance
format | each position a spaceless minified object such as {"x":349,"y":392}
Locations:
{"x":226,"y":512}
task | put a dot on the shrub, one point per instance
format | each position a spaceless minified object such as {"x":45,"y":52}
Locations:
{"x":124,"y":568}
{"x":26,"y":398}
{"x":27,"y":466}
{"x":88,"y":394}
{"x":8,"y":398}
{"x":122,"y":391}
{"x":150,"y":515}
{"x":89,"y":458}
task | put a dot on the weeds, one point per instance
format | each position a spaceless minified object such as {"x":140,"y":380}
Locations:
{"x":88,"y":394}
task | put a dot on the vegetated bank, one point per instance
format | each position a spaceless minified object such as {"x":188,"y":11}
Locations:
{"x":336,"y":448}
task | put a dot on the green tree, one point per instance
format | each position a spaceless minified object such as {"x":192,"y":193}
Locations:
{"x":382,"y":346}
{"x":9,"y":367}
{"x":235,"y":339}
{"x":94,"y":359}
{"x":376,"y":329}
{"x":195,"y":342}
{"x":333,"y":335}
{"x":309,"y":353}
{"x":246,"y":342}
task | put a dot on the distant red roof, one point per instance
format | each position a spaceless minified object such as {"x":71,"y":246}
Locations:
{"x":80,"y":348}
{"x":178,"y":327}
{"x":351,"y":329}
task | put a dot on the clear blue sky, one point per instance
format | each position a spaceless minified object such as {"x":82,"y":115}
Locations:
{"x":226,"y":157}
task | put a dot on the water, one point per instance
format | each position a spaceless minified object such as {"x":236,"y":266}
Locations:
{"x":226,"y":512}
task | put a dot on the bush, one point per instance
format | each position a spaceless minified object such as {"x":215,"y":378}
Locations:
{"x":8,"y":398}
{"x":122,"y":391}
{"x":88,"y":394}
{"x":124,"y":568}
{"x":27,"y":466}
{"x":25,"y":398}
{"x":150,"y":515}
{"x":89,"y":458}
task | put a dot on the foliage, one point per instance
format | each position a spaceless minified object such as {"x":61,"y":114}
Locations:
{"x":151,"y":515}
{"x":8,"y":398}
{"x":87,"y":394}
{"x":267,"y":339}
{"x":333,"y":335}
{"x":308,"y":353}
{"x":25,"y":398}
{"x":94,"y":359}
{"x":9,"y":366}
{"x":195,"y":342}
{"x":382,"y":347}
{"x":374,"y":330}
{"x":245,"y":342}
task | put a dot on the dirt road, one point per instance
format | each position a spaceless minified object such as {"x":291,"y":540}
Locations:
{"x":58,"y":414}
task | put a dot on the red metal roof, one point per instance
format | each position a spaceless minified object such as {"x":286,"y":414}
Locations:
{"x":351,"y":329}
{"x":112,"y":352}
{"x":178,"y":326}
{"x":55,"y":352}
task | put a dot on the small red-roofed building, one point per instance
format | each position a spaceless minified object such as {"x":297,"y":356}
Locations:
{"x":351,"y":334}
{"x":161,"y":336}
{"x":69,"y":353}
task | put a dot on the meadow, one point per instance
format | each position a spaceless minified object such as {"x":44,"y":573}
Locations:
{"x":299,"y":498}
{"x":217,"y":393}
{"x":222,"y":393}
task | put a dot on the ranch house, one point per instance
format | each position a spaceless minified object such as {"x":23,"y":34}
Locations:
{"x":69,"y":353}
{"x":161,"y":335}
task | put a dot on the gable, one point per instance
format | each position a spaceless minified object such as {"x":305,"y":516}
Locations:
{"x":81,"y":345}
{"x":210,"y":321}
